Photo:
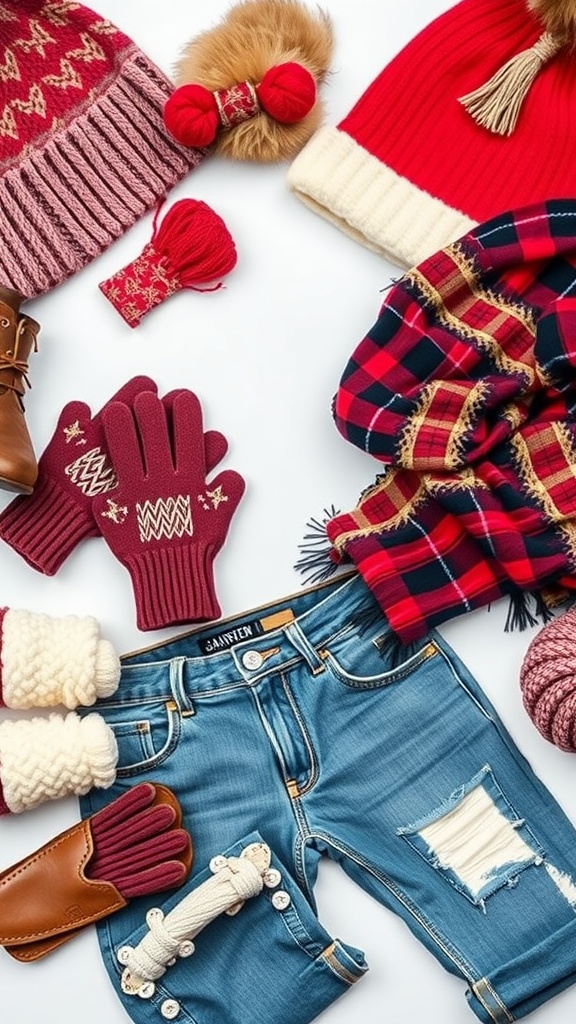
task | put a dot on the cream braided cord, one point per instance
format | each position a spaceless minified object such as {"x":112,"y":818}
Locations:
{"x":235,"y":880}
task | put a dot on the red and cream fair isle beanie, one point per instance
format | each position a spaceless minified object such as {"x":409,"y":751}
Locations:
{"x":84,"y":151}
{"x":474,"y":116}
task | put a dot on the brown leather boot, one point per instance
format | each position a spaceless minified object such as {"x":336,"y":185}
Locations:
{"x":18,"y":466}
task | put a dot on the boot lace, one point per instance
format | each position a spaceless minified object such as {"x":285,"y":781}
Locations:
{"x":10,"y":360}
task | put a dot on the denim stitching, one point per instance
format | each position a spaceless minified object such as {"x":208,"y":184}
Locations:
{"x":172,"y":742}
{"x":270,"y":734}
{"x":104,"y":705}
{"x":383,"y":679}
{"x":463,"y":686}
{"x":299,"y":850}
{"x":313,"y":774}
{"x":453,"y":954}
{"x":315,"y":946}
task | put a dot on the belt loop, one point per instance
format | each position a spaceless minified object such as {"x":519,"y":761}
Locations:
{"x":294,"y":634}
{"x":178,"y":687}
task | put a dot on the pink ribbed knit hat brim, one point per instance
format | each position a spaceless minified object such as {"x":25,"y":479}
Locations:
{"x":67,"y":201}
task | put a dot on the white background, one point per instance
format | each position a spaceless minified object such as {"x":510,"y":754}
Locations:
{"x":264,"y":355}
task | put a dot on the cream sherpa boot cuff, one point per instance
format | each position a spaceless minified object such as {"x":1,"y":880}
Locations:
{"x":46,"y":661}
{"x":47,"y":758}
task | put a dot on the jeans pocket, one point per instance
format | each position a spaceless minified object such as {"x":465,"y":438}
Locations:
{"x":146,"y":733}
{"x":475,"y":839}
{"x":367,"y":661}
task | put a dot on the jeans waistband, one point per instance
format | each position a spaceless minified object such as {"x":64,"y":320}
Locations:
{"x":246,"y":647}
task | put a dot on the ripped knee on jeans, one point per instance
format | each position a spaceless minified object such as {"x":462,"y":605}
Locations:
{"x":475,"y":839}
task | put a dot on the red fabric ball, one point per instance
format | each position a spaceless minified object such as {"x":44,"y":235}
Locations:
{"x":287,"y":92}
{"x":191,"y":116}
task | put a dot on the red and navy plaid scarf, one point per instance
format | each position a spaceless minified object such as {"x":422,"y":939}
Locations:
{"x":465,"y":388}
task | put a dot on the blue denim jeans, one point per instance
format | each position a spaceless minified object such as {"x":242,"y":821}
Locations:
{"x":293,"y":724}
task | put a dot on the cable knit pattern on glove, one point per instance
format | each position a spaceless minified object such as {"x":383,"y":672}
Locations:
{"x":46,"y":661}
{"x":548,"y":681}
{"x":47,"y":758}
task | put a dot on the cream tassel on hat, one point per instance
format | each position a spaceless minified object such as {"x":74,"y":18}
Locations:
{"x":497,"y":103}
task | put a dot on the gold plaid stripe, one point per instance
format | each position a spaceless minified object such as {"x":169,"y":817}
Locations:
{"x":463,"y":480}
{"x":453,"y":319}
{"x":470,"y":400}
{"x":542,"y":485}
{"x":524,"y":314}
{"x":404,"y":507}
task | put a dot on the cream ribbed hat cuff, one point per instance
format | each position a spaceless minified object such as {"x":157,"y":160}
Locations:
{"x":343,"y":182}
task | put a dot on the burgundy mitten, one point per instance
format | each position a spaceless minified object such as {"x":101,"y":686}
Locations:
{"x":46,"y":526}
{"x":165,"y":522}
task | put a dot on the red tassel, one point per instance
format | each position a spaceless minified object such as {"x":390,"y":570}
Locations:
{"x":190,"y":246}
{"x":195,"y":242}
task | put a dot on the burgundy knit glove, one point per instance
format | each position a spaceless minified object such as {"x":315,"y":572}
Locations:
{"x":139,"y":845}
{"x":165,"y":522}
{"x":46,"y":526}
{"x":134,"y":846}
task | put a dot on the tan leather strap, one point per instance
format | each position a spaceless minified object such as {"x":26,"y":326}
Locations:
{"x":47,"y":894}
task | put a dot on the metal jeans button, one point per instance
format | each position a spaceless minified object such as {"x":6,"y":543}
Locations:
{"x":252,"y":659}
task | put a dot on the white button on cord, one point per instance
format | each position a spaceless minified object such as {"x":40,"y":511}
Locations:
{"x":217,"y":863}
{"x":147,"y":990}
{"x":272,"y":878}
{"x":154,"y":914}
{"x":252,"y":659}
{"x":123,"y":954}
{"x":170,"y":1008}
{"x":281,"y":900}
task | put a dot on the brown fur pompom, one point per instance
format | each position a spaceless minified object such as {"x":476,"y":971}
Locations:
{"x":254,"y":36}
{"x":557,"y":16}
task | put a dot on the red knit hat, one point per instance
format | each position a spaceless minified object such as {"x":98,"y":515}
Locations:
{"x":84,"y":151}
{"x":418,"y":161}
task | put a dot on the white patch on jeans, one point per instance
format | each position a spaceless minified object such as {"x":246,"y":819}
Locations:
{"x":475,"y":840}
{"x":564,"y":883}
